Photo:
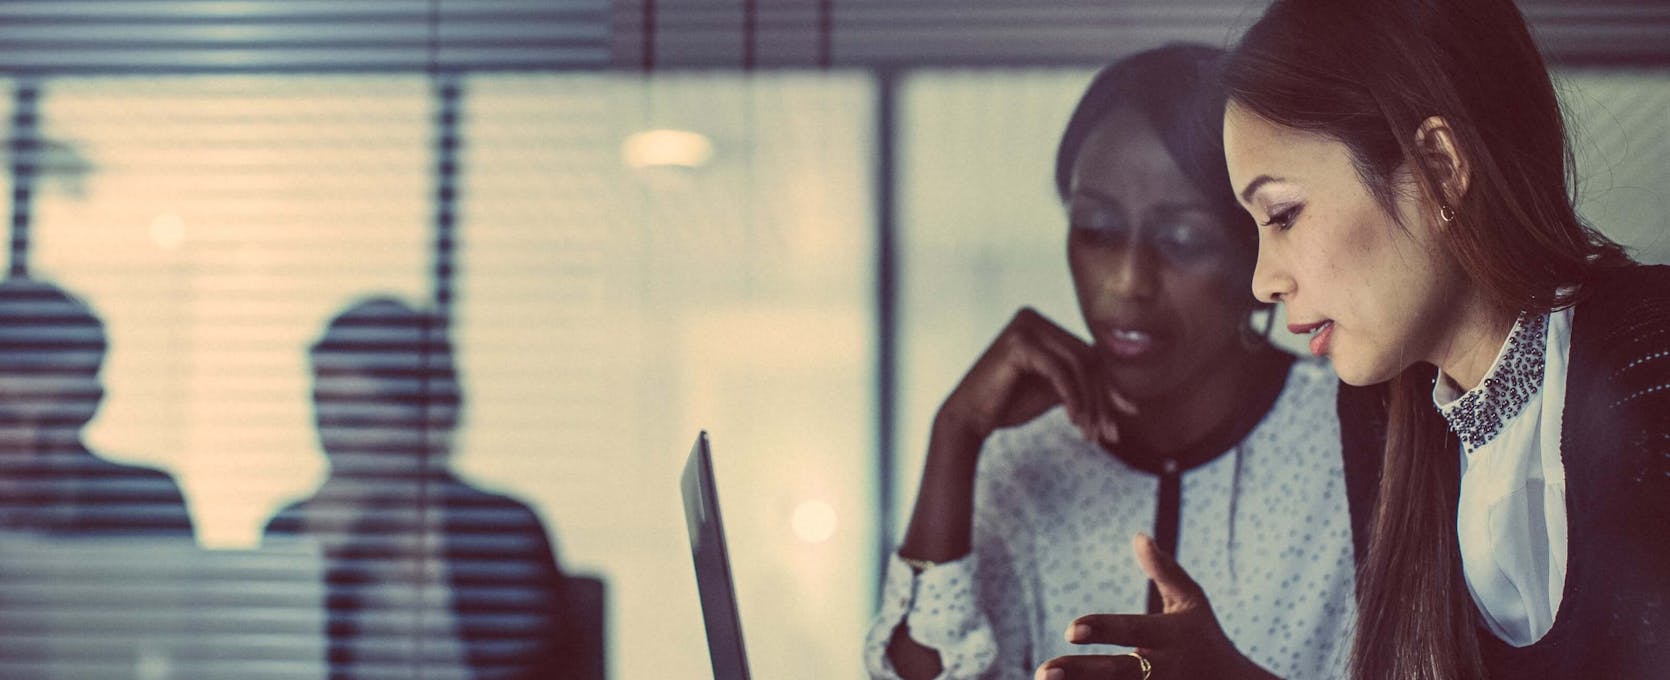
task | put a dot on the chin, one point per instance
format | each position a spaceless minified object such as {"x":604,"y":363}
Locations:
{"x":1143,"y":382}
{"x":1361,"y":373}
{"x":1355,"y":380}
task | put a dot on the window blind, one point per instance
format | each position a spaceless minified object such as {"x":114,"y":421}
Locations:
{"x":52,"y":37}
{"x":999,"y":33}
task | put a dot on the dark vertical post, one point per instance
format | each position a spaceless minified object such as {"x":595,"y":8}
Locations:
{"x":648,"y":34}
{"x":437,"y":357}
{"x":448,"y":94}
{"x":25,"y":147}
{"x":887,"y":84}
{"x":826,"y":33}
{"x":444,"y":88}
{"x":750,"y":25}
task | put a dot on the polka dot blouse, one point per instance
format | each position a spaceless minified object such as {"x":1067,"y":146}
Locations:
{"x":1264,"y":528}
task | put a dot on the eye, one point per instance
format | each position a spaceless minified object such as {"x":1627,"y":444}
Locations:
{"x":1181,"y":239}
{"x":1189,"y":243}
{"x":1283,"y":219}
{"x":1098,"y":226}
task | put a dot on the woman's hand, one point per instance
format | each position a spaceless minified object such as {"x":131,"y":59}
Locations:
{"x":1033,"y":365}
{"x":1182,"y":642}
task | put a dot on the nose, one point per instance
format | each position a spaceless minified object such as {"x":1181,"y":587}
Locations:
{"x":1133,"y":271}
{"x":1271,"y":282}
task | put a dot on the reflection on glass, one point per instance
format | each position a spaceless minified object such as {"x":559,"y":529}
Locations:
{"x":425,"y":573}
{"x":51,"y":349}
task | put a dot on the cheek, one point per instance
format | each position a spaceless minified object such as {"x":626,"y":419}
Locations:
{"x":1376,"y":282}
{"x":1209,"y":300}
{"x":1090,"y":270}
{"x":1079,"y":268}
{"x":1344,"y":263}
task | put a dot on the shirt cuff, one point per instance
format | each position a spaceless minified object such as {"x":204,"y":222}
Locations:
{"x":939,"y":610}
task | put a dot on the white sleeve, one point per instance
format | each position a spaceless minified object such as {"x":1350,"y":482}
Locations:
{"x":938,"y":608}
{"x":971,"y":610}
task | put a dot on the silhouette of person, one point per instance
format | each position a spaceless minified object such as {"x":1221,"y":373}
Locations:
{"x":425,"y":574}
{"x":52,"y":347}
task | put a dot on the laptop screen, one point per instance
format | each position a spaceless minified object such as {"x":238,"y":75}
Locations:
{"x":713,"y":566}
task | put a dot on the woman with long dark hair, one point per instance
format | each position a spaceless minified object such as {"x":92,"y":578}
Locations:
{"x":1176,"y":418}
{"x":1407,"y":163}
{"x":1409,"y":169}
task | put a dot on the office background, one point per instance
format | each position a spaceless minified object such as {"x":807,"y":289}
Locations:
{"x":846,"y":201}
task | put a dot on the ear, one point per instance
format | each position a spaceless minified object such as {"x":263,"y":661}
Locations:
{"x":1437,"y":148}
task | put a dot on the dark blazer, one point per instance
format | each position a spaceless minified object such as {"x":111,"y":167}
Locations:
{"x":71,"y":492}
{"x":502,"y":588}
{"x":1614,"y":616}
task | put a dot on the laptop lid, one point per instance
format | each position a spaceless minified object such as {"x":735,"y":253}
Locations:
{"x":713,"y":565}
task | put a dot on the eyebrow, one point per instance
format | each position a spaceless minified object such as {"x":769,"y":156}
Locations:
{"x":1094,"y":194}
{"x":1253,"y":186}
{"x":1164,"y":207}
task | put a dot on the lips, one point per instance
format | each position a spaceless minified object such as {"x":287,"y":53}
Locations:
{"x":1322,"y":334}
{"x":1128,"y":341}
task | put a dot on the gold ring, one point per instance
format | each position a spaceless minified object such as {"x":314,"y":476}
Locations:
{"x":1147,"y":668}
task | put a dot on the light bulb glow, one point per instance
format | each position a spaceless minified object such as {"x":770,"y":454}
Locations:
{"x":814,"y":521}
{"x":168,"y":231}
{"x":666,"y":148}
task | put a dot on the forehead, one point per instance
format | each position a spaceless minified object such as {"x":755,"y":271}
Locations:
{"x":1124,"y":157}
{"x":1255,"y":146}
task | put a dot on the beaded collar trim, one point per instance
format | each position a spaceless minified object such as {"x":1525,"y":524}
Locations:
{"x":1480,"y":414}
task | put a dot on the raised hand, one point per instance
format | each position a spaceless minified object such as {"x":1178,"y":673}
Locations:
{"x":1033,"y":365}
{"x":1182,"y":642}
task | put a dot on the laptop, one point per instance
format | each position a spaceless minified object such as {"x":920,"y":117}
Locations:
{"x":713,"y":565}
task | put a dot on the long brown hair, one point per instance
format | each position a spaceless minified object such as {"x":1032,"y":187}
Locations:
{"x":1367,"y":74}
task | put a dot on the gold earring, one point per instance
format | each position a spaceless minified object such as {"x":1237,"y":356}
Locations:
{"x":1446,"y":213}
